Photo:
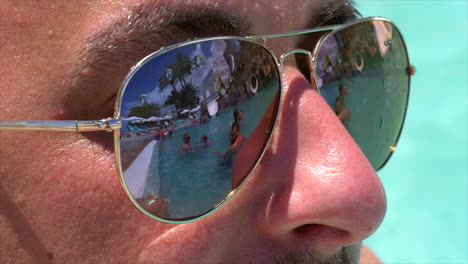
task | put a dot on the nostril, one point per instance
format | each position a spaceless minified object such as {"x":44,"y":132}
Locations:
{"x":322,"y":233}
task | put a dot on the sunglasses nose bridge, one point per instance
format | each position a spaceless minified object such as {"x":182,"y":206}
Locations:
{"x":299,"y":51}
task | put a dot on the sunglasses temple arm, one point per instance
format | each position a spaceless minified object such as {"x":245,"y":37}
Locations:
{"x":62,"y":125}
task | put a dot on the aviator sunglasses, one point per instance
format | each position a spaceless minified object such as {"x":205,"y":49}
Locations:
{"x":192,"y":120}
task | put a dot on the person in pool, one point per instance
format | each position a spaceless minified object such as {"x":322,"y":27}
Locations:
{"x":237,"y":140}
{"x":204,"y":140}
{"x":238,"y":116}
{"x":186,"y":142}
{"x":205,"y":119}
{"x":341,"y":110}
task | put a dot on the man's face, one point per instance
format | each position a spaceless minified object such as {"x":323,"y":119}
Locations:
{"x":313,"y":196}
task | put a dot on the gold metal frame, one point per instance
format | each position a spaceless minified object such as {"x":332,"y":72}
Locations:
{"x":62,"y":125}
{"x":114,"y":124}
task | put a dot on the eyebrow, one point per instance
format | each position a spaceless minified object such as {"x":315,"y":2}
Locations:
{"x":148,"y":27}
{"x":334,"y":13}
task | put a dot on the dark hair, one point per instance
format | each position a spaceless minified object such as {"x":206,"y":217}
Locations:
{"x":235,"y":128}
{"x":236,"y":113}
{"x":186,"y":137}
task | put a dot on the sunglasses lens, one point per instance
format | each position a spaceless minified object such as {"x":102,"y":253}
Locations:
{"x":362,"y":74}
{"x":198,"y":118}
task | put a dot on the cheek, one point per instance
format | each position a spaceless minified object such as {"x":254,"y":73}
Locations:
{"x":204,"y":241}
{"x":83,"y":173}
{"x":66,"y":175}
{"x":65,"y":187}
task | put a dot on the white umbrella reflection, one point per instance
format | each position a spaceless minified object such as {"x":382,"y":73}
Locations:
{"x":154,"y":118}
{"x":132,"y":118}
{"x":195,"y":109}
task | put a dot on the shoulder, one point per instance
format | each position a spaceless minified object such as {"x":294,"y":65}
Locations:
{"x":368,"y":257}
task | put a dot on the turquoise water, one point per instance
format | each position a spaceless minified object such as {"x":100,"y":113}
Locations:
{"x":195,"y":181}
{"x":426,"y":179}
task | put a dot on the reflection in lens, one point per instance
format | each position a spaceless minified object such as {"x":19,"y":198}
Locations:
{"x":205,"y":121}
{"x":363,"y":76}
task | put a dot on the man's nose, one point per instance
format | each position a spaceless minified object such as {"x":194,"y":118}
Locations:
{"x":324,"y":190}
